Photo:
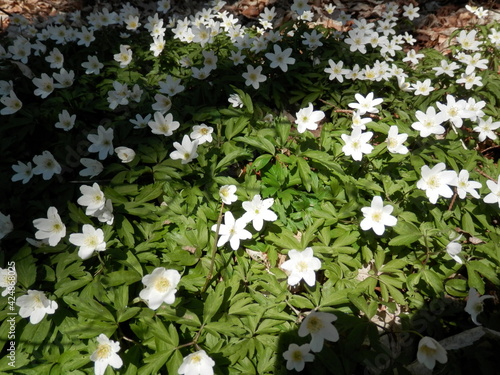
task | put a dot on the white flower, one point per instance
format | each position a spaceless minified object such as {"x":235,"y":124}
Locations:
{"x":232,"y":230}
{"x":51,"y":228}
{"x":23,"y":171}
{"x":356,"y":144}
{"x":253,"y":76}
{"x":297,"y":356}
{"x":235,"y":100}
{"x":468,"y":40}
{"x":429,"y":122}
{"x":358,"y":121}
{"x":202,"y":133}
{"x":228,"y":194}
{"x":280,"y":59}
{"x":454,"y":248}
{"x":336,"y":70}
{"x":257,"y":210}
{"x":164,"y":125}
{"x":64,"y":78}
{"x":319,"y":326}
{"x":124,"y":57}
{"x":140,"y":122}
{"x":377,"y":216}
{"x":11,"y":102}
{"x":186,"y":151}
{"x":465,"y":186}
{"x":198,"y":363}
{"x":6,"y":225}
{"x":66,"y":121}
{"x":171,"y":86}
{"x":422,"y":88}
{"x":395,"y":141}
{"x":366,"y":104}
{"x":102,"y":142}
{"x":46,"y":165}
{"x":160,"y":287}
{"x":470,"y":80}
{"x":125,"y":154}
{"x":475,"y":304}
{"x":494,"y":196}
{"x":92,"y":65}
{"x":308,"y":118}
{"x":430,"y":351}
{"x":35,"y":305}
{"x":92,"y":198}
{"x":486,"y":129}
{"x":8,"y":280}
{"x":106,"y":354}
{"x":105,"y":214}
{"x":410,"y":11}
{"x":89,"y":240}
{"x":92,"y":167}
{"x":44,"y":84}
{"x":163,"y":103}
{"x":446,"y":68}
{"x":436,"y":182}
{"x":301,"y":265}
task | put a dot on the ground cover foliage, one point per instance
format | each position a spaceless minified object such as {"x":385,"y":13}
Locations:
{"x":219,"y":184}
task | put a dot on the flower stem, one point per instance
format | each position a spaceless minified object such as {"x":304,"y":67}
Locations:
{"x":214,"y":251}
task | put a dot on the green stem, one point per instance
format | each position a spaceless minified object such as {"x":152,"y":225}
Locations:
{"x":214,"y":251}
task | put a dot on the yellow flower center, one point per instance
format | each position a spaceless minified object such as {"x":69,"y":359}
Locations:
{"x":103,"y":351}
{"x":297,"y":356}
{"x":162,"y":284}
{"x":196,"y":358}
{"x":314,"y":324}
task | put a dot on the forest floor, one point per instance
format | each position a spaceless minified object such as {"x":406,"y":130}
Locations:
{"x":432,"y":29}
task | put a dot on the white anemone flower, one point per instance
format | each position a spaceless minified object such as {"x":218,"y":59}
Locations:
{"x":125,"y":154}
{"x":377,"y":216}
{"x":319,"y":326}
{"x":308,"y":118}
{"x":430,"y":351}
{"x":228,"y":194}
{"x":89,"y":240}
{"x":297,"y":356}
{"x":232,"y":230}
{"x":475,"y":304}
{"x":198,"y":363}
{"x":257,"y":211}
{"x":35,"y":305}
{"x":46,"y":165}
{"x":106,"y":354}
{"x":160,"y":287}
{"x":92,"y":198}
{"x":301,"y":265}
{"x":437,"y":181}
{"x":186,"y":151}
{"x":51,"y":228}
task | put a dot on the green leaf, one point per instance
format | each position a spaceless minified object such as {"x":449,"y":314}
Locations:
{"x":234,"y":126}
{"x":258,"y":142}
{"x":125,"y":231}
{"x":433,"y":279}
{"x":149,"y":192}
{"x":305,"y":173}
{"x":231,"y":158}
{"x":405,"y":239}
{"x":213,"y":302}
{"x":359,"y":301}
{"x":261,"y":161}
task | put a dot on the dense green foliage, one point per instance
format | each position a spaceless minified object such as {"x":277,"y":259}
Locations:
{"x":237,"y":305}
